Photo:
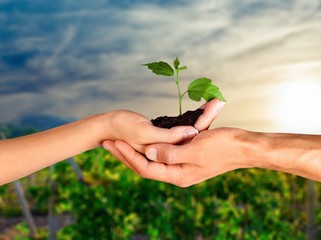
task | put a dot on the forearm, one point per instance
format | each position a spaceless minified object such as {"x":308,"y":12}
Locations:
{"x":22,"y":156}
{"x":297,"y":154}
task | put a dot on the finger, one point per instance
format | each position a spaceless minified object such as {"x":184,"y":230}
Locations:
{"x":110,"y":146}
{"x":211,"y":111}
{"x":147,"y":169}
{"x":168,"y":153}
{"x":173,"y":135}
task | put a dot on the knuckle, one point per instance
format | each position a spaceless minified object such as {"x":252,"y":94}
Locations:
{"x":132,"y":156}
{"x":171,"y":157}
{"x":165,"y":137}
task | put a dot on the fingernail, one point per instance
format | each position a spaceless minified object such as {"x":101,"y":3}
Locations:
{"x":188,"y":133}
{"x":220,"y":105}
{"x":151,"y":154}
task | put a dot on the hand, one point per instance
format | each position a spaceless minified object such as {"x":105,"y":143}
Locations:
{"x":209,"y":154}
{"x":138,"y":131}
{"x":211,"y":111}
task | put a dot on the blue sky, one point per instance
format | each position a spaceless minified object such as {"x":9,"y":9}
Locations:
{"x":77,"y":58}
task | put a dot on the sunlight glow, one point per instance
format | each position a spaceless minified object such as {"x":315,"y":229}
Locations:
{"x":298,"y":108}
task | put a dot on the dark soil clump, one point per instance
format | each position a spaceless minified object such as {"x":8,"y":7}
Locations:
{"x":188,"y":118}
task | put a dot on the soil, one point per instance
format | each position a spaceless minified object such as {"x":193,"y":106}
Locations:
{"x":188,"y":118}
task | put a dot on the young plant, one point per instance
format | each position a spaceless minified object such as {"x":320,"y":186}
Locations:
{"x":196,"y":90}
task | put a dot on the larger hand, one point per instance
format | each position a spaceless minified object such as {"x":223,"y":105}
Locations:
{"x":221,"y":150}
{"x":209,"y":154}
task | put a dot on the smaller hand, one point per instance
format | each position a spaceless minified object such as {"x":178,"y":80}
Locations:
{"x":138,"y":131}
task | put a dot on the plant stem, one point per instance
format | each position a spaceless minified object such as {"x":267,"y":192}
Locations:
{"x":180,"y":96}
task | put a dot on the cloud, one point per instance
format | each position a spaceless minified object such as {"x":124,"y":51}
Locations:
{"x":84,"y":57}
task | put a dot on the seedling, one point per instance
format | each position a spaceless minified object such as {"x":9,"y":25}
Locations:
{"x":196,"y":90}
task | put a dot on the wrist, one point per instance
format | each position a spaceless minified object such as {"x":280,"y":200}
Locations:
{"x":264,"y":151}
{"x":297,"y":154}
{"x":99,"y":127}
{"x":252,"y":147}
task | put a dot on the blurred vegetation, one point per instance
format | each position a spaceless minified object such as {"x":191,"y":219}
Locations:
{"x":111,"y":202}
{"x":115,"y":203}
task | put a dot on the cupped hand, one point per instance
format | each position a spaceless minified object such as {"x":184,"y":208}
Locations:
{"x":138,"y":131}
{"x":209,"y":154}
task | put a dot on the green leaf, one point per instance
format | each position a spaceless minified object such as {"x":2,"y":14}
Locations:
{"x":176,"y":63}
{"x":160,"y":68}
{"x":213,"y":92}
{"x":203,"y":88}
{"x":182,"y":68}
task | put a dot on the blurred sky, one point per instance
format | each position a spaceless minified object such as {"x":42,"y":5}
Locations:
{"x":79,"y":57}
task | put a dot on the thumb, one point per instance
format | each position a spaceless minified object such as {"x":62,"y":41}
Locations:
{"x":166,"y":153}
{"x":211,"y":111}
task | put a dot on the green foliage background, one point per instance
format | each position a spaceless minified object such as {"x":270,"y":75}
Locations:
{"x":111,"y":202}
